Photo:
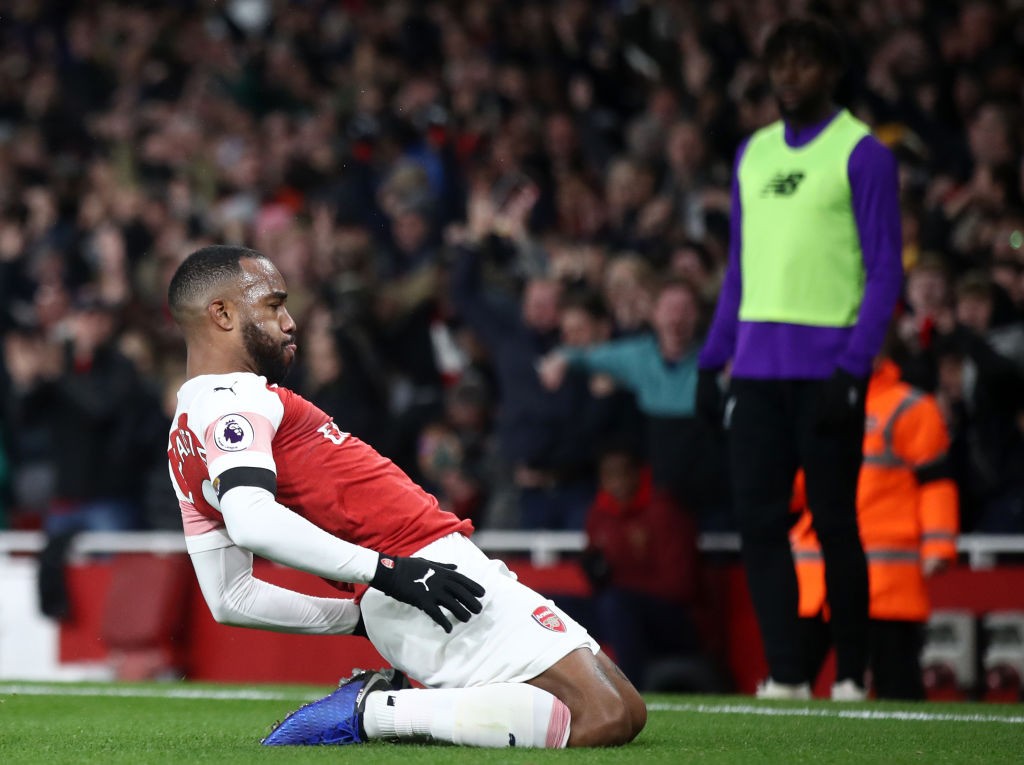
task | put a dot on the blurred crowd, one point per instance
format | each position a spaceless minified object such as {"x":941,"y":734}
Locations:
{"x":454,"y":190}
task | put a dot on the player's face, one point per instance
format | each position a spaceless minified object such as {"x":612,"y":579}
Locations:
{"x":268,"y":331}
{"x":802,"y":85}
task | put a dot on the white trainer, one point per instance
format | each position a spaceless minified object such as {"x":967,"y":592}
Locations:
{"x":769,"y":689}
{"x":848,"y":690}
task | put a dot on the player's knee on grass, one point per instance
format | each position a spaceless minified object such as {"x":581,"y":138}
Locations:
{"x":637,"y":714}
{"x":603,"y":722}
{"x":606,"y":709}
{"x":634,"y":703}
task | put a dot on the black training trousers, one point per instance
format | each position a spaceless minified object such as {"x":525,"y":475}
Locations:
{"x":772,"y":432}
{"x":894,"y":655}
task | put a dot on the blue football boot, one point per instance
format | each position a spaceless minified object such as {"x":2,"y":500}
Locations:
{"x":337,"y":718}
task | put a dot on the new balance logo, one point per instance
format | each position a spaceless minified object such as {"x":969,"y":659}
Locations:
{"x":423,"y":581}
{"x":782,"y":185}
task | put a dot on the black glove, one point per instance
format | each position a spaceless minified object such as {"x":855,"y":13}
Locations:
{"x":710,"y":403}
{"x":840,"y":401}
{"x":428,"y":586}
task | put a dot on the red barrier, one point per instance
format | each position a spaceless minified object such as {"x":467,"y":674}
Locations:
{"x":212,"y":651}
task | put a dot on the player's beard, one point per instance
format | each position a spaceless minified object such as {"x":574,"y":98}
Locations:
{"x":268,"y":357}
{"x":796,"y":112}
{"x":809,"y":108}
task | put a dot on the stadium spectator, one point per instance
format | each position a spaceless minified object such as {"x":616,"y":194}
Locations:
{"x":90,"y":401}
{"x":693,"y":261}
{"x":546,"y":437}
{"x":908,"y":514}
{"x":289,"y":485}
{"x":800,"y":332}
{"x":982,"y":396}
{"x":1007,"y":263}
{"x":929,"y":313}
{"x":978,"y":306}
{"x":695,"y":185}
{"x":628,"y":288}
{"x":660,"y":369}
{"x":26,"y":360}
{"x":641,"y":559}
{"x":635,"y":219}
{"x":456,"y":453}
{"x":406,"y":306}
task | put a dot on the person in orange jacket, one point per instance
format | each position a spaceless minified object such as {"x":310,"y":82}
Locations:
{"x":907,"y":510}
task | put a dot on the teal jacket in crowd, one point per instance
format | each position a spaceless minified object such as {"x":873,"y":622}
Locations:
{"x":662,"y":388}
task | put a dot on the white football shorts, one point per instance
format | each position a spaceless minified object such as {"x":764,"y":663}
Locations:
{"x":518,"y":634}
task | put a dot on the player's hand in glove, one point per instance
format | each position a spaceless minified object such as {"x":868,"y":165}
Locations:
{"x":840,"y":401}
{"x":428,"y":586}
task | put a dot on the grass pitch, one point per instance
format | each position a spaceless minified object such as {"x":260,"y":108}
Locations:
{"x":178,"y":723}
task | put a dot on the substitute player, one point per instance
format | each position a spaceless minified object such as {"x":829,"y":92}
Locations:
{"x":814,"y":272}
{"x":258,"y":469}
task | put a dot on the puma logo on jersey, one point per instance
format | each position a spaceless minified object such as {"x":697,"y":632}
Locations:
{"x":228,"y":387}
{"x":423,"y":580}
{"x":782,"y":185}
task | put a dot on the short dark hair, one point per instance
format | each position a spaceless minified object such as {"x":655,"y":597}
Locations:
{"x":976,"y":284}
{"x":587,"y":300}
{"x":203,"y":269}
{"x":623,"y":444}
{"x":810,"y":35}
{"x":707,"y":260}
{"x":679,"y":282}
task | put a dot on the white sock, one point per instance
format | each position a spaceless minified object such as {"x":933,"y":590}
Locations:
{"x":499,"y":715}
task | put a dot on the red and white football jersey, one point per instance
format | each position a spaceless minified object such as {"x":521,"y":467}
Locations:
{"x":329,"y":477}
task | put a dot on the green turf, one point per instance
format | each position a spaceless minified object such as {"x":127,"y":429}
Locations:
{"x":72,"y":725}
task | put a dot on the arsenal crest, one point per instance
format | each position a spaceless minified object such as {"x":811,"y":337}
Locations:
{"x":548,"y":619}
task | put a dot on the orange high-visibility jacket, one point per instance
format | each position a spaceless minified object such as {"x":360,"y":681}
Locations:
{"x":907,"y":507}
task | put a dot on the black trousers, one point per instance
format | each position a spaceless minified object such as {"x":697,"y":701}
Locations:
{"x":772,"y":432}
{"x":894,"y":655}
